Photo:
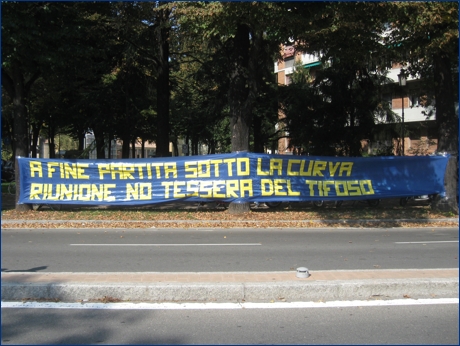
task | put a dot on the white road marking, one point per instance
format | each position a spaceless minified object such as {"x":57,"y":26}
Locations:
{"x":229,"y":244}
{"x":226,"y":306}
{"x":426,"y":242}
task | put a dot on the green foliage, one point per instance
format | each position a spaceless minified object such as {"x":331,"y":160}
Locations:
{"x":421,"y":29}
{"x":7,"y":153}
{"x":65,"y":142}
{"x":95,"y":67}
{"x":241,"y":42}
{"x":384,"y":150}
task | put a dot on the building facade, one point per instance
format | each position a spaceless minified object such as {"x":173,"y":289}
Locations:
{"x":417,"y":131}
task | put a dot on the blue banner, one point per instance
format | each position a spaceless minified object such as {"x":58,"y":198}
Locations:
{"x":228,"y":177}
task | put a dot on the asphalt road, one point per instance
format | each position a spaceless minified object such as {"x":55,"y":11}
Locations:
{"x":220,"y":250}
{"x":426,"y":324}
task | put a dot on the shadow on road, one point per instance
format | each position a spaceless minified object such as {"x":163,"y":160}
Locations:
{"x":34,"y":269}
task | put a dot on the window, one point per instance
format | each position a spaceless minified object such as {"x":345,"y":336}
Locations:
{"x":289,"y":63}
{"x":414,"y":99}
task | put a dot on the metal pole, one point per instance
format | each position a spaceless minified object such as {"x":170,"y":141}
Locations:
{"x":402,"y":84}
{"x":114,"y":151}
{"x":402,"y":130}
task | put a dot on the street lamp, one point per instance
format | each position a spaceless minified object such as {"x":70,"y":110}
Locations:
{"x":402,"y":83}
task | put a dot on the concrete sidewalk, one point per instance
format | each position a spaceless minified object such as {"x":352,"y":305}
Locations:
{"x":231,"y":286}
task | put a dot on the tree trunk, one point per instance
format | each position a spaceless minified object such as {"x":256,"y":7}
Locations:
{"x":240,"y":108}
{"x":163,"y":90}
{"x":194,"y":146}
{"x":188,"y":144}
{"x":51,"y":144}
{"x":240,"y":103}
{"x":17,"y":89}
{"x":133,"y":148}
{"x":212,"y":147}
{"x":109,"y":147}
{"x":99,"y":136}
{"x":81,"y":140}
{"x":35,"y":136}
{"x":239,"y":207}
{"x":175,"y":147}
{"x":447,"y":123}
{"x":143,"y":148}
{"x":125,"y":148}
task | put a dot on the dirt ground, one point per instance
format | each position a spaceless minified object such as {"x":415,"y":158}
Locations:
{"x":189,"y":215}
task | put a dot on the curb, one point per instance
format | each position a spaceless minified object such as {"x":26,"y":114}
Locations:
{"x":342,"y":221}
{"x":236,"y":292}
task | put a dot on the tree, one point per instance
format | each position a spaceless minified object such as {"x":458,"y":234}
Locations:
{"x":331,"y":114}
{"x":198,"y":106}
{"x":265,"y":116}
{"x":162,"y":32}
{"x":245,"y":37}
{"x":146,"y":26}
{"x":425,"y":35}
{"x":18,"y":72}
{"x":341,"y":106}
{"x":35,"y":37}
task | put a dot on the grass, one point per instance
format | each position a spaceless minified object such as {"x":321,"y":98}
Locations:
{"x":5,"y":187}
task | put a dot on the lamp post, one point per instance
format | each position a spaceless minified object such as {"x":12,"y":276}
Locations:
{"x":402,"y":83}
